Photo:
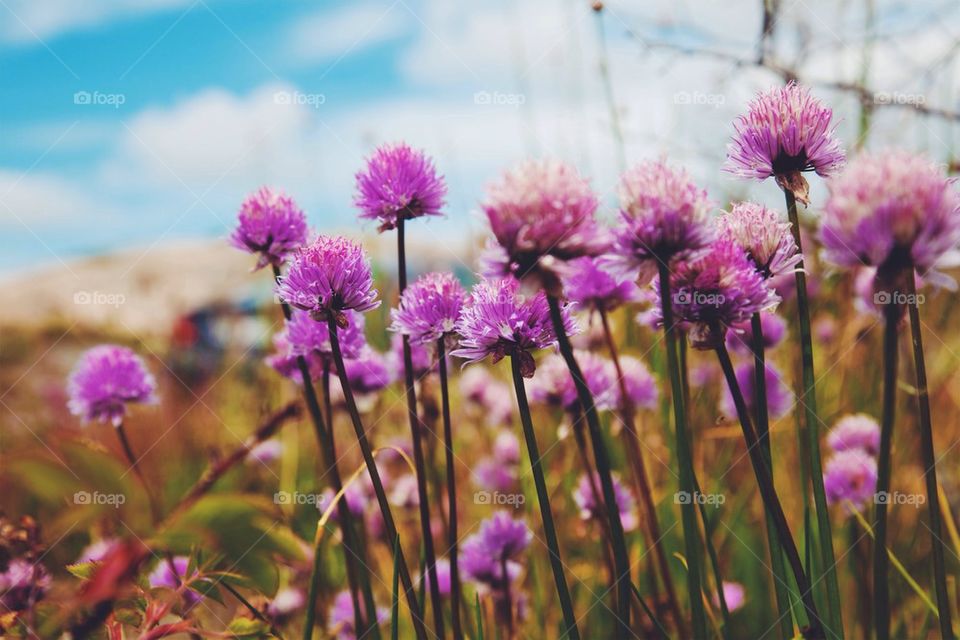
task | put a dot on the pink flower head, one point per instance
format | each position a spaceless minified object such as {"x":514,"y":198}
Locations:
{"x":765,"y":237}
{"x":494,"y":397}
{"x":640,"y":384}
{"x":542,"y":214}
{"x":284,"y":362}
{"x":399,"y":183}
{"x":429,"y":308}
{"x":553,"y":384}
{"x":171,"y":574}
{"x":785,"y":131}
{"x":423,"y":358}
{"x":664,"y":217}
{"x":740,"y":340}
{"x":23,"y":584}
{"x":588,"y":283}
{"x":500,"y":541}
{"x":591,"y":503}
{"x":309,"y":338}
{"x":733,"y":594}
{"x":500,"y":321}
{"x":780,"y":398}
{"x":850,"y":475}
{"x":270,"y":225}
{"x":893,"y":210}
{"x":855,"y":431}
{"x":368,"y":372}
{"x":104,"y":380}
{"x":721,"y":289}
{"x":342,"y":619}
{"x":328,"y":277}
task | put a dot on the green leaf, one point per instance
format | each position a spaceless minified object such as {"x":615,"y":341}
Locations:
{"x":83,"y":570}
{"x":248,"y":628}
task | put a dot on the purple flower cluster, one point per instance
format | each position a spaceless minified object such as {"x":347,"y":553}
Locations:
{"x":780,"y":398}
{"x":719,"y":290}
{"x":492,"y":396}
{"x":22,"y":585}
{"x":553,"y":384}
{"x":893,"y":211}
{"x":542,"y":215}
{"x":764,"y":236}
{"x":499,"y":321}
{"x":739,"y":339}
{"x":429,"y":308}
{"x":850,"y":475}
{"x":163,"y":576}
{"x":495,"y":549}
{"x":588,"y":282}
{"x":785,"y":131}
{"x":590,"y":501}
{"x":399,"y":183}
{"x":341,"y":618}
{"x":500,"y":470}
{"x":664,"y":217}
{"x":271,"y":226}
{"x":309,"y":338}
{"x":328,"y":277}
{"x":105,"y":380}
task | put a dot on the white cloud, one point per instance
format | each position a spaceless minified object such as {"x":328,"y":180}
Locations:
{"x":329,"y":35}
{"x":37,"y":200}
{"x":27,"y":20}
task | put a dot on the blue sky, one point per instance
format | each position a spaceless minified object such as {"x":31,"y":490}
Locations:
{"x":194,"y":103}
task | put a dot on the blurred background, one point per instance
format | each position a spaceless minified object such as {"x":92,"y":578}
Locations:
{"x":131,"y":130}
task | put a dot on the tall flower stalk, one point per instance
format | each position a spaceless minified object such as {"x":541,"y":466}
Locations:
{"x":427,"y":316}
{"x":786,"y":132}
{"x":398,"y":184}
{"x":499,"y":322}
{"x":899,"y":213}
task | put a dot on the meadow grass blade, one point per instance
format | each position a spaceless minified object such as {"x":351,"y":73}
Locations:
{"x":929,"y":462}
{"x":543,"y":499}
{"x":688,"y":512}
{"x":825,"y":561}
{"x":452,"y":529}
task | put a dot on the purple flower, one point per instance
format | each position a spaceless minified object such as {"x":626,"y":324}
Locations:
{"x":163,"y":576}
{"x":850,"y":475}
{"x":285,"y":363}
{"x":368,"y":372}
{"x":553,"y":384}
{"x":785,"y":131}
{"x":492,"y":474}
{"x":341,"y":619}
{"x":266,"y":452}
{"x":287,"y":601}
{"x":855,"y":431}
{"x":98,"y":550}
{"x":104,"y":380}
{"x":664,"y":217}
{"x":893,"y":210}
{"x":541,"y":214}
{"x":271,"y":225}
{"x":733,"y":594}
{"x":640,"y":384}
{"x":591,"y":508}
{"x":422,"y":356}
{"x":780,"y":398}
{"x":310,"y":338}
{"x":589,"y":284}
{"x":500,"y":321}
{"x":429,"y":308}
{"x":506,"y":448}
{"x":22,"y":585}
{"x":399,"y":183}
{"x":740,"y":340}
{"x":491,"y":395}
{"x":765,"y":237}
{"x":442,"y":568}
{"x":720,"y":290}
{"x":500,"y":542}
{"x":328,"y":277}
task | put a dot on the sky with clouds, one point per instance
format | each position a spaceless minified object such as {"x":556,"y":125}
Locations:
{"x":131,"y":123}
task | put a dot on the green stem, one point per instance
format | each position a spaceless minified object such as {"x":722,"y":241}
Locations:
{"x":687,"y":483}
{"x":881,"y":562}
{"x":155,"y":512}
{"x":621,"y":559}
{"x":452,"y":534}
{"x":543,"y":498}
{"x":929,"y":462}
{"x":771,"y":502}
{"x":416,"y":429}
{"x":388,"y":522}
{"x":632,"y":439}
{"x":812,"y":424}
{"x":763,"y":432}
